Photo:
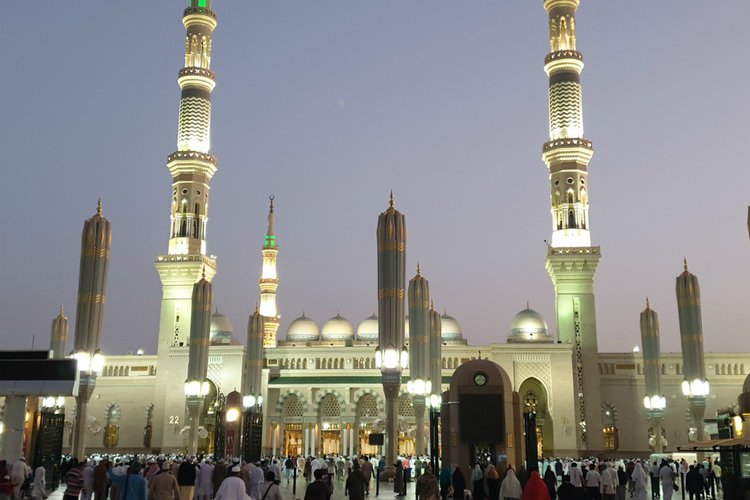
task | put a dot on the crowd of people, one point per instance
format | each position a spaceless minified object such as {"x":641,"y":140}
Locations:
{"x":202,"y":478}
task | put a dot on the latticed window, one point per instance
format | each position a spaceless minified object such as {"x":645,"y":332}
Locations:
{"x":367,"y":406}
{"x":329,"y":406}
{"x":405,"y":406}
{"x":293,"y":407}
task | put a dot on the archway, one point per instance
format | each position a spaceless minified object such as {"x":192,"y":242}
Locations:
{"x":329,"y":417}
{"x":292,"y":425}
{"x":534,"y":397}
{"x":112,"y":427}
{"x":367,"y":413}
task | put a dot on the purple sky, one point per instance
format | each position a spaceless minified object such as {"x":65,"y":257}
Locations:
{"x":329,"y":105}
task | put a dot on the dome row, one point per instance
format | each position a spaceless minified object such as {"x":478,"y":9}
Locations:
{"x":304,"y":329}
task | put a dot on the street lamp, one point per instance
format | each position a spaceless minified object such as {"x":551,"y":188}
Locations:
{"x":529,"y":416}
{"x":434,"y":403}
{"x":195,"y":395}
{"x":89,"y":366}
{"x":696,"y":388}
{"x":232,"y":417}
{"x":252,"y":427}
{"x":391,"y":358}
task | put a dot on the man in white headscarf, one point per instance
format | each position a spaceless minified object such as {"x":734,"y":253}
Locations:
{"x":666,"y":474}
{"x":233,"y":487}
{"x":639,"y":478}
{"x":609,"y":482}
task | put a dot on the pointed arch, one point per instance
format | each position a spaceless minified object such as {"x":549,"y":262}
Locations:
{"x":282,"y":400}
{"x":359,"y":394}
{"x":323,"y":393}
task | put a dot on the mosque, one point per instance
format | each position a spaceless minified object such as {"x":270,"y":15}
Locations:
{"x":321,"y":390}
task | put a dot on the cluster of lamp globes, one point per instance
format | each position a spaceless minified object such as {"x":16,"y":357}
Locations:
{"x":391,"y":358}
{"x":422,"y":387}
{"x":696,"y":388}
{"x":91,"y":363}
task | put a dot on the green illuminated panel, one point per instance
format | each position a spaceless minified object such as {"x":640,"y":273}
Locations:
{"x":202,"y":3}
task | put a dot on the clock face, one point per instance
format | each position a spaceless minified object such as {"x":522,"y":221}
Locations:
{"x":480,"y":379}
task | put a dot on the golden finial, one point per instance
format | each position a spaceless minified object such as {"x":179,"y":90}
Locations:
{"x":272,"y":197}
{"x":527,"y":304}
{"x":684,"y":261}
{"x":203,"y":271}
{"x":419,"y":271}
{"x":257,"y":308}
{"x":648,"y":305}
{"x":392,"y":201}
{"x":432,"y":305}
{"x":99,"y":206}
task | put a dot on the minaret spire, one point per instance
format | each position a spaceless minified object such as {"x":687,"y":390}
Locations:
{"x":192,"y":166}
{"x":269,"y":282}
{"x":571,"y":260}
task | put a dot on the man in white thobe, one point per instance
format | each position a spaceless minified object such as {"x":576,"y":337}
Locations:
{"x":666,"y":475}
{"x":233,"y":487}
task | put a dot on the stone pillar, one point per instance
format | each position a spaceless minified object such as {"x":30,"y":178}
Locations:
{"x":15,"y":417}
{"x":419,"y":409}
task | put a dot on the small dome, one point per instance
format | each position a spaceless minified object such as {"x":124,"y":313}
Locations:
{"x":529,"y":326}
{"x":450,"y":329}
{"x":221,"y":329}
{"x":368,"y":329}
{"x":302,"y":329}
{"x":337,"y":328}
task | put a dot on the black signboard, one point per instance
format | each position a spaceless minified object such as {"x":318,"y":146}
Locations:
{"x":482,"y":418}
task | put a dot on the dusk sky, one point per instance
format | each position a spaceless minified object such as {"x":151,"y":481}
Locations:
{"x":330,"y":104}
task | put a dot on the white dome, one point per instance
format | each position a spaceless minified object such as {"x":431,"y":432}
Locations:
{"x":368,"y":329}
{"x":221,"y":329}
{"x":529,"y":326}
{"x":450,"y":329}
{"x":337,"y":328}
{"x":302,"y":329}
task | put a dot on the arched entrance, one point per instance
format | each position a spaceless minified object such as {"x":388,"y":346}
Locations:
{"x":329,"y":417}
{"x":292,"y":425}
{"x":406,"y":417}
{"x":367,"y":414}
{"x":534,"y":398}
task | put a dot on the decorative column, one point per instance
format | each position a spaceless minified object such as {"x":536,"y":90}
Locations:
{"x":269,"y":282}
{"x":252,"y":399}
{"x":654,"y":401}
{"x":419,"y":385}
{"x":436,"y":376}
{"x":59,"y":335}
{"x":196,"y":384}
{"x":96,"y":242}
{"x":391,"y":355}
{"x":695,"y":384}
{"x":571,"y":259}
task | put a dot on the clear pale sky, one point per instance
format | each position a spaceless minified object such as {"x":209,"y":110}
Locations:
{"x":330,"y":104}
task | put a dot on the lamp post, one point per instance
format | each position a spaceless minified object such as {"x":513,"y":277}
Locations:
{"x":529,"y":416}
{"x":434,"y":403}
{"x":195,"y":398}
{"x":232,"y":416}
{"x":220,"y":407}
{"x":655,"y":405}
{"x":391,"y":361}
{"x":419,"y":389}
{"x":252,"y":427}
{"x":90,"y":365}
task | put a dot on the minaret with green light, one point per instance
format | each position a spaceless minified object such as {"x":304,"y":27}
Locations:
{"x":192,"y":166}
{"x":269,"y":282}
{"x":571,"y":259}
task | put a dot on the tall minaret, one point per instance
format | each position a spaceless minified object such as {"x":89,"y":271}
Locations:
{"x":391,"y":239}
{"x":96,"y":242}
{"x":192,"y":166}
{"x":196,"y":383}
{"x":571,"y":260}
{"x":59,"y":335}
{"x":653,"y":400}
{"x":269,"y":282}
{"x":694,"y":385}
{"x":419,"y":349}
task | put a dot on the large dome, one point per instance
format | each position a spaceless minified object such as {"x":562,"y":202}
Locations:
{"x":368,"y":329}
{"x":450,"y":329}
{"x":221,"y":329}
{"x":302,"y":329}
{"x":529,"y":326}
{"x":337,"y":328}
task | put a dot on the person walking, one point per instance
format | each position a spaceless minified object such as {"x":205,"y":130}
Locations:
{"x":399,"y":486}
{"x":367,"y":472}
{"x":535,"y":488}
{"x":566,"y":491}
{"x":232,"y":487}
{"x":218,"y":475}
{"x":593,"y":484}
{"x":610,"y":482}
{"x":101,"y":480}
{"x":132,"y":486}
{"x":73,"y":480}
{"x":666,"y":476}
{"x":510,"y":489}
{"x":638,"y":477}
{"x":477,"y":482}
{"x":622,"y":481}
{"x":318,"y":489}
{"x":186,"y":479}
{"x":550,"y":479}
{"x":459,"y":484}
{"x":163,"y":486}
{"x":355,"y":483}
{"x":39,"y":486}
{"x":493,"y":482}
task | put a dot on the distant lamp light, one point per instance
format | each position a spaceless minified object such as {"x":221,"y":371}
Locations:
{"x":696,"y":388}
{"x":233,"y":414}
{"x":139,"y":352}
{"x":248,"y":401}
{"x":737,"y":423}
{"x":636,"y":349}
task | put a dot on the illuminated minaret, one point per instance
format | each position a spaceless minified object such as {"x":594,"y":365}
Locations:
{"x":653,"y":400}
{"x":571,"y":260}
{"x":59,"y":336}
{"x":269,"y":282}
{"x":192,"y":166}
{"x":694,"y":384}
{"x":419,"y":384}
